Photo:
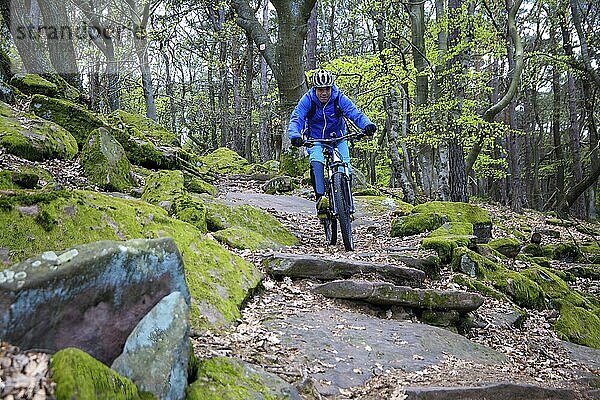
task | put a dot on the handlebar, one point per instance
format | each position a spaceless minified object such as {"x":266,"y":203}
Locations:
{"x":331,"y":141}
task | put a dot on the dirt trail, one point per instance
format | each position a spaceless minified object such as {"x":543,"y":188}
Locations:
{"x":342,"y":350}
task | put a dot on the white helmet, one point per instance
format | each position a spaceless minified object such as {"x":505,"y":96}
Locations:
{"x":322,"y":78}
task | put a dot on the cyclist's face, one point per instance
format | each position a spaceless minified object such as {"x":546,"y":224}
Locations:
{"x":323,"y":94}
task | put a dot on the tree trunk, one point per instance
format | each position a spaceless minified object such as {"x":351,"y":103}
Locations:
{"x":237,"y":130}
{"x":284,"y":57}
{"x":311,"y":39}
{"x":514,"y":149}
{"x":169,"y":89}
{"x":588,"y":94}
{"x":559,"y":180}
{"x":249,"y":100}
{"x":23,"y":17}
{"x":263,"y":135}
{"x":398,"y":177}
{"x":578,"y":207}
{"x":60,"y":44}
{"x":140,"y":40}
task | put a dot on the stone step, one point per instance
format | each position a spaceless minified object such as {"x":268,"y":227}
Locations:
{"x":383,"y":293}
{"x":307,"y":266}
{"x":498,"y":391}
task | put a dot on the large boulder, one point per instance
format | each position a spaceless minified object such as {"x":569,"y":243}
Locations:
{"x":225,"y":161}
{"x":166,"y":189}
{"x":104,"y":162}
{"x":221,"y":216}
{"x":155,"y":356}
{"x":33,"y":222}
{"x":146,"y":142}
{"x":35,"y":140}
{"x":73,"y":117}
{"x":78,"y":375}
{"x":223,"y":378}
{"x":90,"y":297}
{"x":32,"y":84}
{"x":244,"y":238}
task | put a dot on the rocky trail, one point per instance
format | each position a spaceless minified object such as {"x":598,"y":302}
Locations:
{"x":348,"y":325}
{"x":367,"y":348}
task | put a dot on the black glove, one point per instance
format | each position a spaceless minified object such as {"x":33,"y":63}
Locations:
{"x":297,"y":141}
{"x":370,"y":129}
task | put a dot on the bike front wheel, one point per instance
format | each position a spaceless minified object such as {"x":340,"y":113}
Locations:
{"x":342,"y":202}
{"x":330,"y":226}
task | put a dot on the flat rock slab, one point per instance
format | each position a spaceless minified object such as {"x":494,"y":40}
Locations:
{"x":345,"y":349}
{"x":305,"y":266}
{"x":383,"y":293}
{"x":496,"y":391}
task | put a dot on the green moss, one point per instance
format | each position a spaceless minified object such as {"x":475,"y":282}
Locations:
{"x":104,"y":162}
{"x":507,"y":246}
{"x":79,"y":376}
{"x":221,"y":216}
{"x":568,"y":252}
{"x":534,"y":250}
{"x":65,"y":90}
{"x":415,"y":223}
{"x":32,"y":84}
{"x":221,"y":378}
{"x":478,"y":286}
{"x":198,"y":185}
{"x":242,"y":238}
{"x":224,"y":161}
{"x":560,"y":222}
{"x":219,"y":281}
{"x":163,"y":186}
{"x":455,"y":212}
{"x":370,"y":191}
{"x":215,"y":269}
{"x":293,"y":164}
{"x":35,"y":140}
{"x":520,"y":288}
{"x":578,"y":325}
{"x":79,"y":121}
{"x":553,"y":286}
{"x":142,"y":127}
{"x":190,"y":210}
{"x":448,"y":237}
{"x":453,"y":229}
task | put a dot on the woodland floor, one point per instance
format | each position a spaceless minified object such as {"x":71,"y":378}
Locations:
{"x":532,"y":350}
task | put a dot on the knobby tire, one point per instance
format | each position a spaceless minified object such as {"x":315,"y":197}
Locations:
{"x":342,"y":206}
{"x":330,"y":226}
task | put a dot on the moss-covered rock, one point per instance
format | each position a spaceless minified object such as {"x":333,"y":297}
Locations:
{"x":32,"y":222}
{"x":521,"y":289}
{"x":578,"y":325}
{"x":415,"y":223}
{"x":221,"y":216}
{"x":567,"y":252}
{"x":534,"y":250}
{"x":31,"y":84}
{"x":369,"y":191}
{"x":293,"y":164}
{"x":104,"y":162}
{"x":166,"y":189}
{"x":191,"y":210}
{"x":507,"y":246}
{"x":477,"y":286}
{"x":25,"y":178}
{"x":279,"y":184}
{"x":35,"y":140}
{"x":224,"y":161}
{"x":73,"y":117}
{"x":163,"y":186}
{"x":380,"y":205}
{"x":448,"y":237}
{"x":78,"y":375}
{"x":560,"y":222}
{"x":223,"y":378}
{"x":198,"y":185}
{"x":142,"y":127}
{"x":455,"y":211}
{"x":243,"y":238}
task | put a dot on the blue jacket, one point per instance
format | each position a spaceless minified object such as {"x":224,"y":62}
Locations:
{"x":324,"y":122}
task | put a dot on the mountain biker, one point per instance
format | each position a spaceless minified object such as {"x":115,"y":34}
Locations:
{"x":320,"y":115}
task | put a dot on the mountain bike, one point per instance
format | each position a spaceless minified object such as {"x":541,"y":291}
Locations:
{"x":338,"y":187}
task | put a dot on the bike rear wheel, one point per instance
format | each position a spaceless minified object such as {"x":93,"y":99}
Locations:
{"x":342,"y":206}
